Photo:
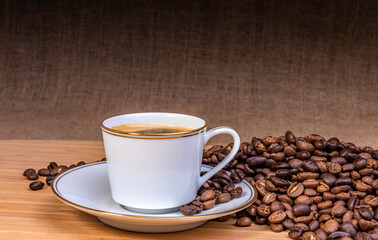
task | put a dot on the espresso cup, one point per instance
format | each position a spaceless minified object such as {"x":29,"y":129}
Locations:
{"x":152,"y":173}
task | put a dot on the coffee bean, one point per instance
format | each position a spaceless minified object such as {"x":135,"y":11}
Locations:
{"x":301,"y":210}
{"x":276,"y":206}
{"x":277,"y":216}
{"x":339,"y":189}
{"x":338,"y":211}
{"x":305,"y":146}
{"x":313,"y":225}
{"x":363,"y":187}
{"x":288,"y":223}
{"x":269,"y":198}
{"x":207,"y":195}
{"x":256,"y":161}
{"x":360,"y":163}
{"x":348,"y":228}
{"x":32,"y":176}
{"x":310,"y":183}
{"x":324,"y":217}
{"x":29,"y":171}
{"x":325,"y":205}
{"x":276,"y":227}
{"x":322,"y":187}
{"x":237,"y":192}
{"x":260,"y":220}
{"x":303,"y":200}
{"x":223,"y":219}
{"x":80,"y":163}
{"x":328,"y":178}
{"x":321,"y":234}
{"x":330,"y":226}
{"x":209,"y":204}
{"x":366,"y":225}
{"x":307,"y":175}
{"x":188,"y":210}
{"x":309,"y":236}
{"x":263,"y":210}
{"x":244,"y":222}
{"x":44,"y":172}
{"x":49,"y":180}
{"x":295,"y":233}
{"x":37,"y":185}
{"x":224,"y":197}
{"x":295,"y":189}
{"x":338,"y":234}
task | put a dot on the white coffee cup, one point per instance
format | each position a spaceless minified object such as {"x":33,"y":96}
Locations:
{"x":158,"y":173}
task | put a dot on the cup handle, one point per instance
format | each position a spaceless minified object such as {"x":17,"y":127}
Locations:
{"x":211,"y":133}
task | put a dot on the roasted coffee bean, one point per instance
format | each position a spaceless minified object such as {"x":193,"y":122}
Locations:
{"x":348,"y":228}
{"x":256,"y":161}
{"x":344,"y":181}
{"x":49,"y":180}
{"x":353,"y":202}
{"x":29,"y":171}
{"x":263,"y":210}
{"x":360,"y":163}
{"x":277,"y":216}
{"x":322,"y":187}
{"x":339,"y":159}
{"x":228,"y":188}
{"x":303,"y":155}
{"x":223,"y":219}
{"x":52,"y":165}
{"x":54,"y":171}
{"x":279,"y":182}
{"x":313,"y":225}
{"x":330,"y":226}
{"x":32,"y":176}
{"x":339,"y":189}
{"x":368,"y":180}
{"x":363,"y":187}
{"x":338,"y":234}
{"x":310,"y":183}
{"x":310,"y":192}
{"x":285,"y":198}
{"x":301,"y":210}
{"x":188,"y":210}
{"x":321,"y":234}
{"x":310,"y":166}
{"x":295,"y":189}
{"x":303,"y":199}
{"x":224,"y":197}
{"x":307,"y":175}
{"x":328,"y":178}
{"x":325,"y":205}
{"x":338,"y":211}
{"x":251,"y":210}
{"x":325,"y":211}
{"x":276,"y":227}
{"x":324,"y":218}
{"x":260,"y":220}
{"x":366,"y":225}
{"x":37,"y":185}
{"x":207,"y":195}
{"x":43,"y":172}
{"x":366,"y":172}
{"x":343,"y":196}
{"x":243,"y":222}
{"x":366,"y":212}
{"x":295,"y":233}
{"x":335,"y":168}
{"x":309,"y":236}
{"x":305,"y":146}
{"x":288,"y":223}
{"x":269,"y":198}
{"x":80,"y":163}
{"x":237,"y":192}
{"x":276,"y":206}
{"x":260,"y":186}
{"x":329,"y":196}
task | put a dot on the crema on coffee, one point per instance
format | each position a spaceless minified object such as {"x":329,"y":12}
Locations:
{"x":151,"y":129}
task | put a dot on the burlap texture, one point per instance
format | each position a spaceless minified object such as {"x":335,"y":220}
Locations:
{"x":260,"y":67}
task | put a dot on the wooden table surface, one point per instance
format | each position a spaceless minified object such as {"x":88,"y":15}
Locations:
{"x":26,"y":214}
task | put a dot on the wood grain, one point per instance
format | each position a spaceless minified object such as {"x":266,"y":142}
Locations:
{"x":26,"y":214}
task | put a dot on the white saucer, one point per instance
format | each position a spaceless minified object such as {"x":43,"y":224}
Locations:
{"x":87,"y":188}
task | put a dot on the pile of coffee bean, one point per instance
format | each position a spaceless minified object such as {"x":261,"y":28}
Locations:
{"x":218,"y":189}
{"x":51,"y":171}
{"x":313,"y":187}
